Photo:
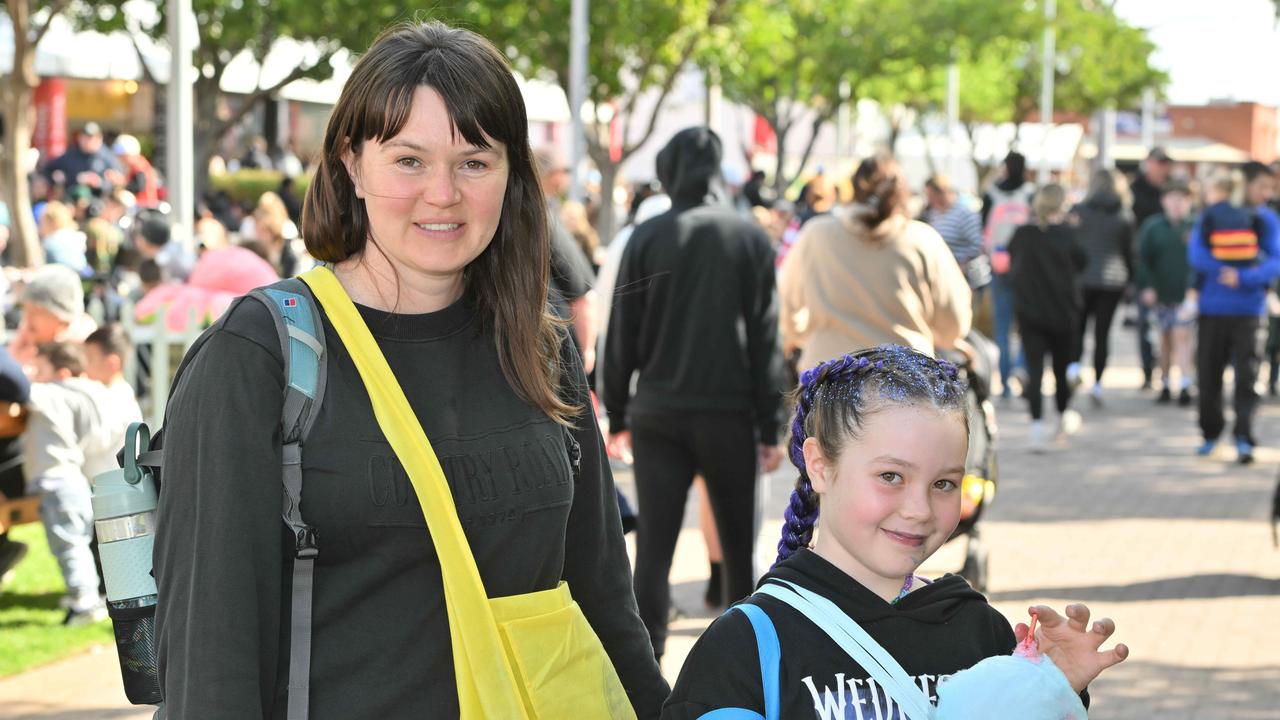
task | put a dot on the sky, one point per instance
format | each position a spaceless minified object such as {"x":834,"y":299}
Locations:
{"x":1212,"y":49}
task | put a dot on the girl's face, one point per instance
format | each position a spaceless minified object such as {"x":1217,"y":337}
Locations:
{"x":893,"y":496}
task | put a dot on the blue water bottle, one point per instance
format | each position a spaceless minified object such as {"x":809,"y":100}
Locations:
{"x":124,"y":514}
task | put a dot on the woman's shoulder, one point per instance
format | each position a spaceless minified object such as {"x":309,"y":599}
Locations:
{"x":248,"y":319}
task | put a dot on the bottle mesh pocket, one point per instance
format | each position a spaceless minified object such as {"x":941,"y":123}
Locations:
{"x":135,"y":630}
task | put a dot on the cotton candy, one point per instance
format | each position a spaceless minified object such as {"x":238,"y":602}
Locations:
{"x":1022,"y":686}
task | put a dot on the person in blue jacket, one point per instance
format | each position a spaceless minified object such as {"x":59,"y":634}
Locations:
{"x":1235,"y":249}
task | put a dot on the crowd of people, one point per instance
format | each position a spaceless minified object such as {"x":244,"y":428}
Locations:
{"x":110,"y":261}
{"x":722,"y":330}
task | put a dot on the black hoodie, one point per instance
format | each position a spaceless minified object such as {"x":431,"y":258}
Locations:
{"x":695,"y":310}
{"x":1105,"y":233}
{"x":934,"y":632}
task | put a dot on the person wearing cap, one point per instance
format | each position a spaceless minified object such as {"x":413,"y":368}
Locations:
{"x":87,"y":164}
{"x":52,"y":310}
{"x":1163,"y":279}
{"x":1148,"y":187}
{"x":139,"y":175}
{"x":1146,"y":191}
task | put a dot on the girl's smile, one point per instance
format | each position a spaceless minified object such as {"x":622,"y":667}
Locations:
{"x":893,"y":496}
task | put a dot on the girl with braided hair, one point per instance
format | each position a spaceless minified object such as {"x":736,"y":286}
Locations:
{"x":879,"y":438}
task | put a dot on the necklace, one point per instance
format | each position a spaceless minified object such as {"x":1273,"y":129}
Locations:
{"x":906,"y":588}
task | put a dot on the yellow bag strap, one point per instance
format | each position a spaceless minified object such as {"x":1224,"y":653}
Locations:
{"x":486,"y":683}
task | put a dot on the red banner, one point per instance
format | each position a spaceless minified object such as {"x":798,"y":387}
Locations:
{"x":50,"y":134}
{"x":763,"y":137}
{"x":615,"y":135}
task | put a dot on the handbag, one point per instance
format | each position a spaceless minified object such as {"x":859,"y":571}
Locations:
{"x":532,"y":656}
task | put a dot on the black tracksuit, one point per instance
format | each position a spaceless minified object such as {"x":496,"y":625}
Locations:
{"x":934,"y":632}
{"x":696,"y":316}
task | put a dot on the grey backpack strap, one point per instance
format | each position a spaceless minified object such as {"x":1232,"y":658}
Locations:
{"x":301,"y":333}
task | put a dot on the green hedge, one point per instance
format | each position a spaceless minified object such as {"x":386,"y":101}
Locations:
{"x":247,"y":186}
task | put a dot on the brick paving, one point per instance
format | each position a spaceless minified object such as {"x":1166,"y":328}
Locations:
{"x":1175,"y":548}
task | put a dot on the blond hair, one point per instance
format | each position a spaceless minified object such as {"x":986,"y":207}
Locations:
{"x":1227,"y":182}
{"x":1049,"y":201}
{"x":58,"y":216}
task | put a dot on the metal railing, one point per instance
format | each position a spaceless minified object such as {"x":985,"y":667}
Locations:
{"x":157,"y":352}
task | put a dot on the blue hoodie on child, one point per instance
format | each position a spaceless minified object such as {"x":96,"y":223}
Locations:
{"x":1246,"y":239}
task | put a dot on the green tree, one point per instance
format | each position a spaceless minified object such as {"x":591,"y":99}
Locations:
{"x":786,"y":60}
{"x":637,"y":50}
{"x":1101,"y":60}
{"x":229,"y":28}
{"x":30,"y":20}
{"x":961,"y":31}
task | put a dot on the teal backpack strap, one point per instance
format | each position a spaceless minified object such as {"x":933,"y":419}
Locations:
{"x":301,"y":332}
{"x":857,"y":643}
{"x":770,"y":653}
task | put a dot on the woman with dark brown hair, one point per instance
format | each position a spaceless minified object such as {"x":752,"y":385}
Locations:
{"x":868,"y":275}
{"x":427,"y":208}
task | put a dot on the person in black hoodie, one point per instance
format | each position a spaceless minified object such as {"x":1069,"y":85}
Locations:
{"x":880,"y":439}
{"x":1046,"y":264}
{"x":698,"y":319}
{"x":1105,"y":230}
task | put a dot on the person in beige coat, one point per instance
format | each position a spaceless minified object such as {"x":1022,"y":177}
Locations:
{"x":867,"y":275}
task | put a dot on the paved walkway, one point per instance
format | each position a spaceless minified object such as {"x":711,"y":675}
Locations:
{"x":1176,"y":549}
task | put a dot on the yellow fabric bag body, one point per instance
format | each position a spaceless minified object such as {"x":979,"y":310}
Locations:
{"x":531,"y":656}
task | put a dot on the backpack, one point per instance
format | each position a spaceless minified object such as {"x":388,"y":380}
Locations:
{"x":302,"y":342}
{"x":1234,"y":242}
{"x":1009,"y":211}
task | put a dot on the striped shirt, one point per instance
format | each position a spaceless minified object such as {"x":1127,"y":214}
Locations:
{"x":962,"y":229}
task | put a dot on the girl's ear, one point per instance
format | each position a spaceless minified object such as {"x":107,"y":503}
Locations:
{"x":815,"y":464}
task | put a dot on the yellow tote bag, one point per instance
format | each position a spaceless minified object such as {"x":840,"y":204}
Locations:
{"x":532,"y":656}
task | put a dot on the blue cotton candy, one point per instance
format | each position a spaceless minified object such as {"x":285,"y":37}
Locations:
{"x":1010,"y":687}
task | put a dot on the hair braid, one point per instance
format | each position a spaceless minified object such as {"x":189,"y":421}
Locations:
{"x":802,"y":511}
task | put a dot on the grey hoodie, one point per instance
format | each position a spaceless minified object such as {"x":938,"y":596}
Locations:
{"x":70,"y":436}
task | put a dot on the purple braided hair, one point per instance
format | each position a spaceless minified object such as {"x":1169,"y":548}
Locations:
{"x":802,"y":510}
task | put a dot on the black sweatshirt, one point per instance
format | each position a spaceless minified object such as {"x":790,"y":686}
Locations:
{"x":381,"y":636}
{"x":696,"y":309}
{"x":934,"y":632}
{"x":1045,"y":267}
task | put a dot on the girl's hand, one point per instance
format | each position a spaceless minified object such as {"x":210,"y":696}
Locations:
{"x":1072,"y":648}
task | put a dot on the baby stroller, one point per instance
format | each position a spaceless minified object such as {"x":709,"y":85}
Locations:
{"x":982,"y":470}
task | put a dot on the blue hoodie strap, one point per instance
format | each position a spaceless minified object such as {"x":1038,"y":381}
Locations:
{"x":770,"y":655}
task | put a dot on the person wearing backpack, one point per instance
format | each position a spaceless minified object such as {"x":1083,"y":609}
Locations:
{"x":1106,"y":234}
{"x":1235,"y":248}
{"x":453,"y":473}
{"x":1005,"y":207}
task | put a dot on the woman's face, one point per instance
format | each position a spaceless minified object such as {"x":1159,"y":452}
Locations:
{"x":433,"y":199}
